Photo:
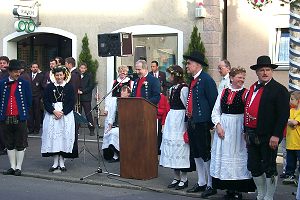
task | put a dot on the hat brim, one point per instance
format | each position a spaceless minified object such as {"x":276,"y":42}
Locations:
{"x":13,"y":68}
{"x":196,"y":59}
{"x":255,"y":67}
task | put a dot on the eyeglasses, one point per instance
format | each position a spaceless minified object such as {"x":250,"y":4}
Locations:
{"x":220,"y":67}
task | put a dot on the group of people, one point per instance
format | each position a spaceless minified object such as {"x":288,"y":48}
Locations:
{"x":60,"y":88}
{"x":248,"y":127}
{"x":248,"y":124}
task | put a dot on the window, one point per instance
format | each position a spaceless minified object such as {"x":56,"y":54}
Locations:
{"x":159,"y":47}
{"x":282,"y":47}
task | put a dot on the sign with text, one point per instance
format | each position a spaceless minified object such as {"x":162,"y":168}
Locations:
{"x":26,"y":11}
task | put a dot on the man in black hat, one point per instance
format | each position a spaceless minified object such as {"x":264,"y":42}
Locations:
{"x":266,"y":114}
{"x":201,"y":99}
{"x":16,"y":98}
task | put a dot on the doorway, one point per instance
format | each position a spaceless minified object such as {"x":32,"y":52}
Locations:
{"x":42,"y":47}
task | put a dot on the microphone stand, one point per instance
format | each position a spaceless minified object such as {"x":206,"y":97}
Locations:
{"x":99,"y":170}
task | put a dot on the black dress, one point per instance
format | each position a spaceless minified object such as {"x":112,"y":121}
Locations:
{"x":54,"y":94}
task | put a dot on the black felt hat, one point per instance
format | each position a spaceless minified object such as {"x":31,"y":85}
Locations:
{"x":14,"y":65}
{"x":263,"y":61}
{"x":197,"y":57}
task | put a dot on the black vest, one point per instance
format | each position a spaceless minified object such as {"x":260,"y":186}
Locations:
{"x":175,"y":101}
{"x":237,"y":106}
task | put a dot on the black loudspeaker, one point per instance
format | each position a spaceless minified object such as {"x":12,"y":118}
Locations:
{"x":114,"y":44}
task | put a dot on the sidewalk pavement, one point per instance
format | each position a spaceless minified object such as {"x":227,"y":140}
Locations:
{"x":36,"y":166}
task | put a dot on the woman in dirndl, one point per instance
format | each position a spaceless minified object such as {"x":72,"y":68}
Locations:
{"x":228,"y":166}
{"x":59,"y":125}
{"x":175,"y":152}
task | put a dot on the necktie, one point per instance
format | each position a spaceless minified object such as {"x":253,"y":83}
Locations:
{"x":33,"y":76}
{"x":258,"y":86}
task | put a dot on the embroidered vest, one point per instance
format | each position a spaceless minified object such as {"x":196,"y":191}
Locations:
{"x":251,"y":111}
{"x":232,"y":102}
{"x":12,"y":108}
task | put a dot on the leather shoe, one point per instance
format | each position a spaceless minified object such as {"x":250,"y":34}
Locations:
{"x":196,"y":188}
{"x":18,"y":172}
{"x":209,"y":191}
{"x":283,"y":175}
{"x":180,"y":186}
{"x":92,"y":133}
{"x":10,"y":171}
{"x":52,"y":169}
{"x":173,"y":184}
{"x":114,"y":160}
{"x":63,"y":169}
{"x":3,"y":152}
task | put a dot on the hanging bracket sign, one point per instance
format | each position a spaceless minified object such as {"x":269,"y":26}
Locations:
{"x":28,"y":16}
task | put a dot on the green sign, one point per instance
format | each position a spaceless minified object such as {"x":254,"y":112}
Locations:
{"x":25,"y":25}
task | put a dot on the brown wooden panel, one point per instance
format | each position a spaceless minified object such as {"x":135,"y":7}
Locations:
{"x":138,"y":138}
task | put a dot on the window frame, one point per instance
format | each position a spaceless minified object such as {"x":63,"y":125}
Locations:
{"x":281,"y":65}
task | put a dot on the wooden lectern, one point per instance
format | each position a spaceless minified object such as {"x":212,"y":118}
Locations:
{"x":138,"y":138}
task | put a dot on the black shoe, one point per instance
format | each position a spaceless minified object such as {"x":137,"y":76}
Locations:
{"x":196,"y":188}
{"x":92,"y":133}
{"x":30,"y":132}
{"x":180,"y":187}
{"x":18,"y":172}
{"x":231,"y":195}
{"x":10,"y":171}
{"x":172,"y":185}
{"x":63,"y":169}
{"x":209,"y":191}
{"x":114,"y":160}
{"x":238,"y":196}
{"x":283,"y":175}
{"x":52,"y":169}
{"x":3,"y":152}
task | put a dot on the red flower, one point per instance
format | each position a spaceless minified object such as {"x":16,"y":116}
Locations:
{"x":186,"y":137}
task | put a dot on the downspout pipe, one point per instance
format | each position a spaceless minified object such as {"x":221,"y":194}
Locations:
{"x":225,"y":30}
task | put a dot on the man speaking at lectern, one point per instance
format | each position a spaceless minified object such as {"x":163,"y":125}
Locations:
{"x":146,"y":86}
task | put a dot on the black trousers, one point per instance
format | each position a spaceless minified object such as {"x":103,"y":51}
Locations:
{"x":2,"y":144}
{"x":261,"y":159}
{"x":159,"y":136}
{"x":86,"y":105}
{"x":200,"y":139}
{"x":34,"y":121}
{"x":15,"y":135}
